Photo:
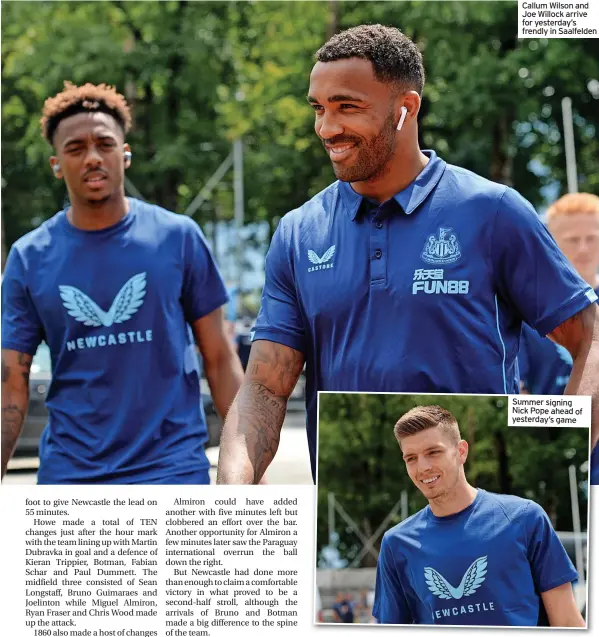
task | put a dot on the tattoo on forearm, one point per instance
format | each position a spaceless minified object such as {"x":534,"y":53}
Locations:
{"x":15,"y":391}
{"x":12,"y":421}
{"x":12,"y":417}
{"x":25,"y":365}
{"x":262,"y":401}
{"x":268,"y":398}
{"x":263,"y":413}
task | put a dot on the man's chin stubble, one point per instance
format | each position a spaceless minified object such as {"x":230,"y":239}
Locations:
{"x":99,"y":202}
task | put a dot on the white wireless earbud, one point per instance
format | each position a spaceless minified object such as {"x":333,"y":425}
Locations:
{"x":56,"y":168}
{"x":404,"y":112}
{"x":128,"y":155}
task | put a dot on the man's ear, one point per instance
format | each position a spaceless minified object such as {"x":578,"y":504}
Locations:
{"x":463,"y":451}
{"x":411,"y":100}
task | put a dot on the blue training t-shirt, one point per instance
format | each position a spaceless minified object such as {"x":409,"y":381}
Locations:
{"x":485,"y":565}
{"x":427,"y":293}
{"x":115,"y":307}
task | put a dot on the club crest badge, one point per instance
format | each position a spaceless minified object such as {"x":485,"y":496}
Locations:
{"x":441,"y":249}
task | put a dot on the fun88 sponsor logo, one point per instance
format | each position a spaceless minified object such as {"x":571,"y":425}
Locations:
{"x":433,"y":282}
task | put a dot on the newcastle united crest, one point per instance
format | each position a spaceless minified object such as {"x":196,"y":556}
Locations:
{"x":443,"y":248}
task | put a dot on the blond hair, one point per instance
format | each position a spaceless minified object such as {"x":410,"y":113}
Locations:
{"x":574,"y":203}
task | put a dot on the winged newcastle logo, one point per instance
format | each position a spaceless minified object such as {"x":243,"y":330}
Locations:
{"x":327,"y":256}
{"x":126,"y":303}
{"x":473,"y":578}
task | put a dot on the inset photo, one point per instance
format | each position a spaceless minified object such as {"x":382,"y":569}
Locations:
{"x":431,"y":510}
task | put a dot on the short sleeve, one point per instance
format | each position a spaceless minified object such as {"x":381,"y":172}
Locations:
{"x":390,"y":602}
{"x":280,"y":318}
{"x":549,"y":562}
{"x":22,"y":329}
{"x":203,"y":287}
{"x":530,"y":271}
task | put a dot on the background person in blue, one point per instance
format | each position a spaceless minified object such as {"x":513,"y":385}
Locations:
{"x":545,"y":366}
{"x":115,"y":287}
{"x":471,"y":557}
{"x":344,"y":609}
{"x":406,"y":274}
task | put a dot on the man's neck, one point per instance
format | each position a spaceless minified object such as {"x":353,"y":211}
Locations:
{"x":400,"y":171}
{"x":88,"y":216}
{"x":459,"y":499}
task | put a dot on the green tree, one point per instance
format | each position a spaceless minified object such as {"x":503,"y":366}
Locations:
{"x":200,"y":75}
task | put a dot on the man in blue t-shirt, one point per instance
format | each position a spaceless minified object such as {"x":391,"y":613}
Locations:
{"x":344,"y":609}
{"x":545,"y":366}
{"x":121,"y":291}
{"x":471,"y":557}
{"x":406,"y":274}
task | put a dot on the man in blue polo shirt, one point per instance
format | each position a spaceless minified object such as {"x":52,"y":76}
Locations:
{"x":545,"y":366}
{"x":406,"y":274}
{"x":121,"y":291}
{"x":471,"y":557}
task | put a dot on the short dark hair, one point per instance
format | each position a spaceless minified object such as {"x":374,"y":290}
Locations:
{"x":421,"y":418}
{"x":83,"y":99}
{"x":393,"y":55}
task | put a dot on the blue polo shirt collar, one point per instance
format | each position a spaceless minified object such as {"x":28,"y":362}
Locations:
{"x":410,"y":197}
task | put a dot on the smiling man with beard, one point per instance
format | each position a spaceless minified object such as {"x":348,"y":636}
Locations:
{"x":121,"y":291}
{"x":407,"y":274}
{"x":470,"y":557}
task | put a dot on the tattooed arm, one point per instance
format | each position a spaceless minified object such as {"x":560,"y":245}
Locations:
{"x":580,"y":336}
{"x":15,"y":396}
{"x":251,"y":433}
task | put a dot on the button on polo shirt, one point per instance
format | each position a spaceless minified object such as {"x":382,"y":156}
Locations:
{"x":463,"y":261}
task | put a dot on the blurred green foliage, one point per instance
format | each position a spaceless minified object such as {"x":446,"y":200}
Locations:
{"x":199,"y":74}
{"x":360,"y":462}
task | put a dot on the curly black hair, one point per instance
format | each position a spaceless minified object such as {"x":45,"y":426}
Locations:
{"x":394,"y":57}
{"x":81,"y":99}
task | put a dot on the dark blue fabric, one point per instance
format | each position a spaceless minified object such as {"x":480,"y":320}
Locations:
{"x":485,"y":565}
